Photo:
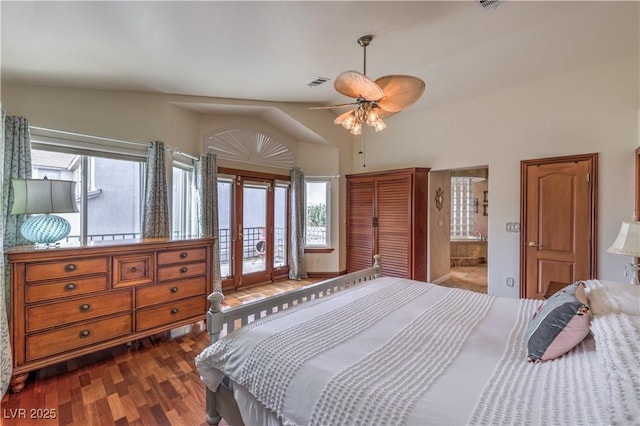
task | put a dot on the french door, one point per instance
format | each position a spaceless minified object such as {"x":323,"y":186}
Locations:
{"x":253,"y":222}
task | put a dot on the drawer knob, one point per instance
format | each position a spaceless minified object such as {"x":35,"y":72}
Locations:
{"x":70,"y":267}
{"x":174,"y":311}
{"x":174,"y":289}
{"x":184,"y":269}
{"x":85,"y":307}
{"x":70,"y":287}
{"x":134,"y":269}
{"x":84,"y":333}
{"x":183,"y":255}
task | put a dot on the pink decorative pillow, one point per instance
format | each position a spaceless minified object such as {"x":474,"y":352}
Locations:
{"x":559,"y":325}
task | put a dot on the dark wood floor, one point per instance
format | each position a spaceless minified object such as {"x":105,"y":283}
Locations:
{"x":152,"y":382}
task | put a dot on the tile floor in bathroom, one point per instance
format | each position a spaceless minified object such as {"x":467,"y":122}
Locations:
{"x":468,"y":277}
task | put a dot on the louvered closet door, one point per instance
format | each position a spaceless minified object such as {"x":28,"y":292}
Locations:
{"x":394,"y":224}
{"x":360,"y":206}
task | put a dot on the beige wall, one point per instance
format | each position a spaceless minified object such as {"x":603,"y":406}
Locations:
{"x":130,"y":116}
{"x":143,"y":117}
{"x":439,"y":226}
{"x":589,"y":110}
{"x":585,"y":111}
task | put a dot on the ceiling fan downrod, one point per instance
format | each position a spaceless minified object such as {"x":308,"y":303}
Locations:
{"x":364,"y":42}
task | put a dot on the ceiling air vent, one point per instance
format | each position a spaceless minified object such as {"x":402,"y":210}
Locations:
{"x":318,"y":81}
{"x":490,"y":4}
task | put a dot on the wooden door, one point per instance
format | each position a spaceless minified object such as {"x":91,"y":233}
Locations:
{"x":360,"y":217}
{"x":393,"y":224}
{"x":558,"y":240}
{"x":254,"y":243}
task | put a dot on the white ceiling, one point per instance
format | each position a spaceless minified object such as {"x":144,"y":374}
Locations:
{"x":271,"y":50}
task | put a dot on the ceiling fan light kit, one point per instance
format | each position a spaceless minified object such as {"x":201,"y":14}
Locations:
{"x":374,"y":101}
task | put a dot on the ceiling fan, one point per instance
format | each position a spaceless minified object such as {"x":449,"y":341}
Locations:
{"x":374,"y":101}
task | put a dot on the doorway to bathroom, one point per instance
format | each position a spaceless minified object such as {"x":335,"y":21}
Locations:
{"x":469,"y":230}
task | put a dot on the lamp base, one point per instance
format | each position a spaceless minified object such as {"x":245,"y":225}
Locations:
{"x":632,"y":269}
{"x":45,"y":229}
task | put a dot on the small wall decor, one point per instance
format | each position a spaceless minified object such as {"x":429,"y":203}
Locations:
{"x":439,"y":199}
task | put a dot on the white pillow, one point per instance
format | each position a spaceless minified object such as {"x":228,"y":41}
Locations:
{"x":613,"y":297}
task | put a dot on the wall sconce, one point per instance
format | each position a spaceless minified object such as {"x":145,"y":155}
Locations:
{"x":42,"y":197}
{"x":439,"y":198}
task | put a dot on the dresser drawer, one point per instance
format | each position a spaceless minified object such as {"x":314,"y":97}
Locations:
{"x":180,"y":256}
{"x":181,"y":271}
{"x":171,"y":312}
{"x":61,"y":340}
{"x":162,"y":293}
{"x":85,"y":308}
{"x":132,"y":269}
{"x":65,"y":268}
{"x":65,"y":288}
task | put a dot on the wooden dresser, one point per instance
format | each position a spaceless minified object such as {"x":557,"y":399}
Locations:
{"x":73,"y":300}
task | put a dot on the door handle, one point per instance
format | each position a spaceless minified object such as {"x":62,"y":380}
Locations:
{"x":533,"y":244}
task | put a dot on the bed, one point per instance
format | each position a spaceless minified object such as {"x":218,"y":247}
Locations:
{"x":363,"y":349}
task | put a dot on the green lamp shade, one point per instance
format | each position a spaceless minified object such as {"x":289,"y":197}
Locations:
{"x":45,"y":229}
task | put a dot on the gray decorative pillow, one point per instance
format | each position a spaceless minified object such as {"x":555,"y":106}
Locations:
{"x":559,"y":325}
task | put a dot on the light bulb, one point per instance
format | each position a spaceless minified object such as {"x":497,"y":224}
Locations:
{"x":372,"y":118}
{"x":349,"y":122}
{"x":379,"y":125}
{"x":357,"y":128}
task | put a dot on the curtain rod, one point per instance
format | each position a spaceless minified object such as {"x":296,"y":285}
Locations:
{"x":167,"y":147}
{"x":178,"y":152}
{"x":324,"y":177}
{"x":90,"y":136}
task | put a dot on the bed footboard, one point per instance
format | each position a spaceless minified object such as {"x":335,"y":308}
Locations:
{"x":222,"y":322}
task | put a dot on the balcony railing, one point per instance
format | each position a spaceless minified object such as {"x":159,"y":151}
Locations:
{"x":249,"y":251}
{"x":105,"y":237}
{"x":250,"y":241}
{"x":316,"y":235}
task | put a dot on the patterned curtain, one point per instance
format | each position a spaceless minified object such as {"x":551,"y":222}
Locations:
{"x":155,"y":222}
{"x":16,"y":163}
{"x":297,"y":267}
{"x":206,"y":179}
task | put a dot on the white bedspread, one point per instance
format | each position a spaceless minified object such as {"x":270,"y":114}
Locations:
{"x":396,"y":351}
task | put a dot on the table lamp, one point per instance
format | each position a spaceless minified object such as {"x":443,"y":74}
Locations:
{"x":42,"y":197}
{"x":628,"y":244}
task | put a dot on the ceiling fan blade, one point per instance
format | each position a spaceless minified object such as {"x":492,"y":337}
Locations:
{"x":384,"y":114}
{"x":334,"y":106}
{"x":400,"y":91}
{"x":342,"y":117}
{"x":357,"y":85}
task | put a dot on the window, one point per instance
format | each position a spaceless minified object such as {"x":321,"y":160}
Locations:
{"x":184,"y":220}
{"x":225,"y":224}
{"x":317,"y":224}
{"x":281,"y":221}
{"x":462,"y":207}
{"x":108,"y":191}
